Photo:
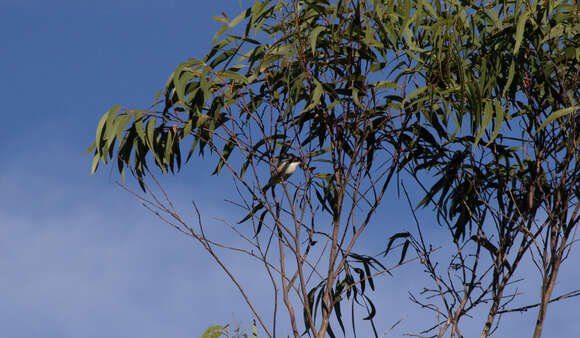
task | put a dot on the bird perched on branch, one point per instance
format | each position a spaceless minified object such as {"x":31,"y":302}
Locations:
{"x":283,"y":171}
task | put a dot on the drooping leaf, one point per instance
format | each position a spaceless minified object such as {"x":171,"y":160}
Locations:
{"x":225,"y":154}
{"x":395,"y":237}
{"x":520,"y":27}
{"x":488,"y":114}
{"x":499,"y":116}
{"x":314,"y":36}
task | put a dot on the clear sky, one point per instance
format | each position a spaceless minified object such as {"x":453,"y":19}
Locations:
{"x":81,"y":258}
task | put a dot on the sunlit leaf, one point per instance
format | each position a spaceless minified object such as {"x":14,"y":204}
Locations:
{"x":314,"y":36}
{"x":558,"y":114}
{"x":520,"y":27}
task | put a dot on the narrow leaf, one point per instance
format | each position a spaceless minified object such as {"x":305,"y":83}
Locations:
{"x":385,"y":84}
{"x":404,"y":251}
{"x":95,"y":164}
{"x":393,"y":238}
{"x":488,"y":113}
{"x":499,"y":113}
{"x":314,"y":36}
{"x":558,"y":114}
{"x":520,"y":30}
{"x":150,"y":132}
{"x":415,"y":93}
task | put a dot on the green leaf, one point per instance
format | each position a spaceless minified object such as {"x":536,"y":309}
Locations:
{"x":385,"y":84}
{"x":151,"y":132}
{"x":488,"y":113}
{"x":261,"y":223}
{"x":91,"y":148}
{"x":204,"y":84}
{"x":404,"y":251}
{"x":120,"y":124}
{"x":213,"y":332}
{"x":140,"y":129}
{"x":181,"y":84}
{"x":188,"y":127}
{"x":220,"y":31}
{"x":220,"y":19}
{"x":252,"y":212}
{"x":225,"y":154}
{"x":499,"y":115}
{"x":355,"y":97}
{"x":511,"y":74}
{"x":157,"y":95}
{"x":414,"y":94}
{"x":372,"y":312}
{"x":395,"y":237}
{"x":520,"y":30}
{"x":314,"y":36}
{"x":114,"y":129}
{"x":95,"y":163}
{"x":103,"y":120}
{"x":233,"y":76}
{"x":311,"y":295}
{"x":338,"y":314}
{"x":239,"y":18}
{"x":168,"y":148}
{"x":316,"y":95}
{"x":111,"y":117}
{"x":369,"y":275}
{"x":558,"y":114}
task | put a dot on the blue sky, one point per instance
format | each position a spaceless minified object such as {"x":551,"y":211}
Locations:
{"x":79,"y":257}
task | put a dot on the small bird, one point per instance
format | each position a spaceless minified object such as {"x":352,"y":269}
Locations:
{"x":283,"y":171}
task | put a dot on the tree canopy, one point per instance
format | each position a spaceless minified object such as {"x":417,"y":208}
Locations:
{"x":481,"y":95}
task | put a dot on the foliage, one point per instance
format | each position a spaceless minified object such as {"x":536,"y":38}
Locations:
{"x":218,"y":331}
{"x":507,"y":176}
{"x":482,"y":95}
{"x":304,"y":78}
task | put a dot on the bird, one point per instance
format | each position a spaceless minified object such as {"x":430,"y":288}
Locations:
{"x":283,"y":171}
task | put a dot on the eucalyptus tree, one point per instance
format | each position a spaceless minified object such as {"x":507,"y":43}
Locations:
{"x":355,"y":93}
{"x":317,"y":83}
{"x":501,"y":133}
